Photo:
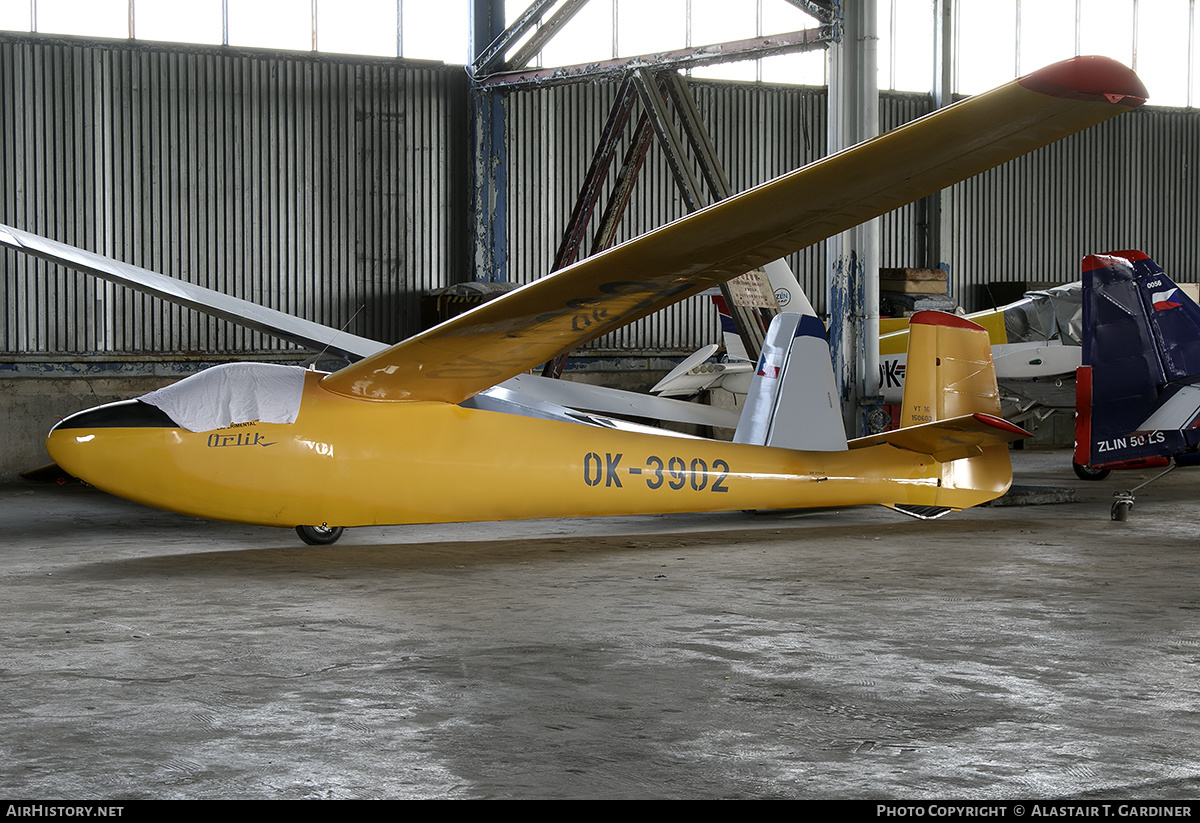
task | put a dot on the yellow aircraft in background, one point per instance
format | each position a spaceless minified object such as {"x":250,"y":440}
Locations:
{"x":1036,"y":348}
{"x":388,"y":440}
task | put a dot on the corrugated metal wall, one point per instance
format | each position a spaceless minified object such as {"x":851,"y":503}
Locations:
{"x":337,"y":189}
{"x":327,"y":188}
{"x":1128,"y":183}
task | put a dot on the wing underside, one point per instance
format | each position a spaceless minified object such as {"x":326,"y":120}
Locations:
{"x":260,"y":318}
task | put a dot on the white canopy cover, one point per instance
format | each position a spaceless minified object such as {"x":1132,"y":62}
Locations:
{"x":220,"y":396}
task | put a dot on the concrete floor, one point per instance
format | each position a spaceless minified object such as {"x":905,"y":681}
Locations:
{"x":1005,"y":652}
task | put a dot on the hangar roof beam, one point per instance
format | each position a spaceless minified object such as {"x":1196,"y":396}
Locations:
{"x":818,"y":9}
{"x":731,"y":52}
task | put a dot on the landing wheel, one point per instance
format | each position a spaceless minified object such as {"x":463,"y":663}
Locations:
{"x":319,"y":535}
{"x":1088,"y":473}
{"x":1120,"y":510}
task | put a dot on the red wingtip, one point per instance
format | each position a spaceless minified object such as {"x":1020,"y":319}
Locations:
{"x":941,"y":318}
{"x":1089,"y":78}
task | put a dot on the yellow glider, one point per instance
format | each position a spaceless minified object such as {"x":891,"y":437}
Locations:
{"x":383,"y":441}
{"x":343,"y":462}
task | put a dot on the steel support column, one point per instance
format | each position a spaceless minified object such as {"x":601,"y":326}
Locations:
{"x":853,"y":276}
{"x":937,"y":230}
{"x":490,"y":163}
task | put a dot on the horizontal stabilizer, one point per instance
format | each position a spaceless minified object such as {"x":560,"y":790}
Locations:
{"x":1179,"y":410}
{"x":681,"y":380}
{"x":951,"y":439}
{"x":624,"y":404}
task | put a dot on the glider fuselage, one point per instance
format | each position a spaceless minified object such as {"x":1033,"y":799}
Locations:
{"x":351,"y":462}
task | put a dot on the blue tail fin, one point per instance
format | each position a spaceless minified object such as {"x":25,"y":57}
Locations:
{"x":1141,"y":355}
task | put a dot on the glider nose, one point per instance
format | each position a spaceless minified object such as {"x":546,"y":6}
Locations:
{"x":99,"y":442}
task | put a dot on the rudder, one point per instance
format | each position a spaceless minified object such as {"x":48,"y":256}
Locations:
{"x":951,"y":399}
{"x":1141,"y":355}
{"x":950,"y":371}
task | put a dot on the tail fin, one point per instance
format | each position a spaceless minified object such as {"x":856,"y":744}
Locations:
{"x":734,"y":346}
{"x":1141,"y":363}
{"x":949,"y":371}
{"x":793,"y":400}
{"x":951,"y":412}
